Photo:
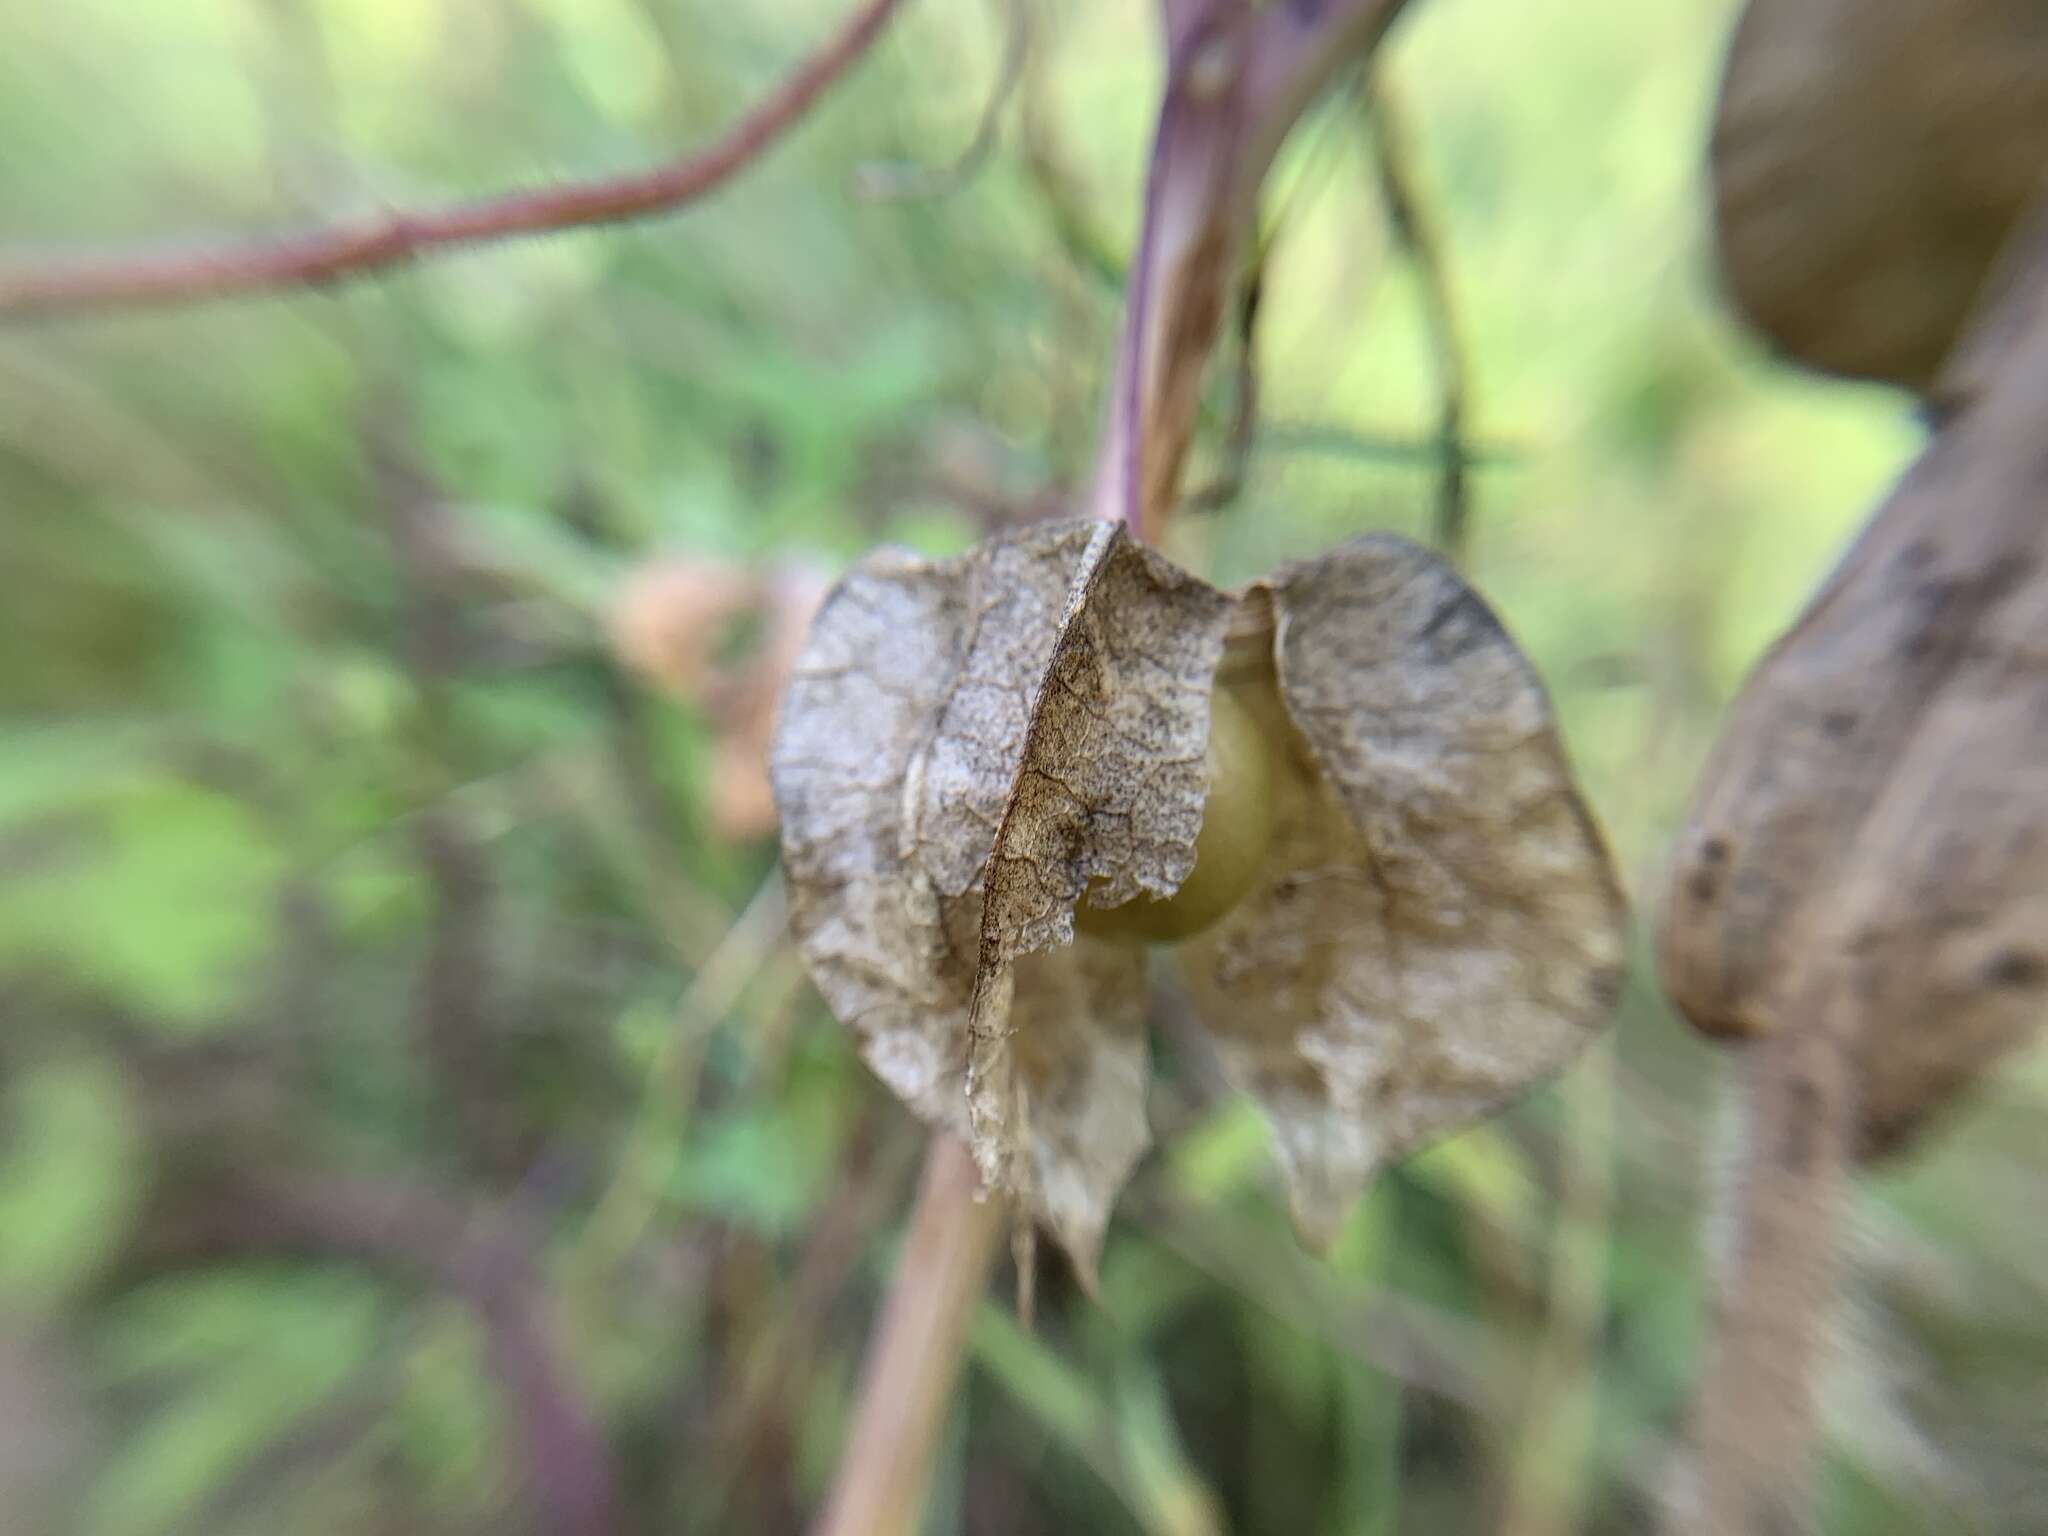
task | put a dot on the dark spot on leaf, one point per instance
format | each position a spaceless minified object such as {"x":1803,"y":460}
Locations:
{"x":1705,"y":882}
{"x":1947,"y":609}
{"x":2016,"y":968}
{"x":1461,"y":624}
{"x":1838,"y":723}
{"x":1604,"y":987}
{"x":1960,"y":919}
{"x":1879,"y":1136}
{"x":1917,"y":556}
{"x":1932,"y":620}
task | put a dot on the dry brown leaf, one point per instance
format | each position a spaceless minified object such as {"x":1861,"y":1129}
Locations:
{"x":1439,"y":927}
{"x":972,"y":748}
{"x":1106,"y":801}
{"x":1076,"y":1031}
{"x":1860,"y":896}
{"x":1869,"y":161}
{"x":901,"y":734}
{"x":1870,"y":841}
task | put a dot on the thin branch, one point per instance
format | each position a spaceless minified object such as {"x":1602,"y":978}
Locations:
{"x":885,"y":1470}
{"x":1302,"y":45}
{"x":1125,"y":442}
{"x":167,"y":276}
{"x":451,"y":1000}
{"x":1084,"y":245}
{"x":1229,"y":482}
{"x":629,"y":1204}
{"x":1237,"y":78}
{"x":1415,"y":231}
{"x":1200,"y":191}
{"x":1758,"y":1426}
{"x":912,"y":182}
{"x":1241,"y":428}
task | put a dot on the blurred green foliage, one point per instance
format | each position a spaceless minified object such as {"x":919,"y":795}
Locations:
{"x":333,"y":836}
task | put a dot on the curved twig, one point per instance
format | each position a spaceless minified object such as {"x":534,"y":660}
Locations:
{"x":1241,"y":427}
{"x":1237,"y":78}
{"x":914,"y":1356}
{"x":1074,"y":230}
{"x":906,"y":183}
{"x":165,"y":276}
{"x":1417,"y":235}
{"x":1201,"y":183}
{"x":1758,"y":1416}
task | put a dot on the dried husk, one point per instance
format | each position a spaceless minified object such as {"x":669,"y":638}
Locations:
{"x":1107,"y":799}
{"x":1868,"y":851}
{"x":1870,"y":159}
{"x":1439,"y":928}
{"x":970,"y":748}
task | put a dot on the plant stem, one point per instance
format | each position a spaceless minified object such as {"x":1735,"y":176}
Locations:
{"x":915,"y":1355}
{"x":1237,"y":78}
{"x":172,"y":275}
{"x":1758,"y":1415}
{"x":1415,"y":231}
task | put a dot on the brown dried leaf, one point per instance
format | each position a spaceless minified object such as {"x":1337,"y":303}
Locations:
{"x":1079,"y":1054}
{"x":1870,"y":841}
{"x":1106,"y":802}
{"x":901,"y":740}
{"x":1439,"y":928}
{"x":892,"y":954}
{"x":1954,"y":906}
{"x":1869,"y":161}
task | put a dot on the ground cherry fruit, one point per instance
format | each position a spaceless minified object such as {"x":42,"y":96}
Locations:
{"x":1230,"y":849}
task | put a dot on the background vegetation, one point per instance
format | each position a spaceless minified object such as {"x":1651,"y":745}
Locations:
{"x":343,"y":860}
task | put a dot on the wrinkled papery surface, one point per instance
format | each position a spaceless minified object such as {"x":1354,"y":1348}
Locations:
{"x":969,"y":747}
{"x":1438,"y":928}
{"x":1868,"y":849}
{"x":1869,"y":162}
{"x":1106,"y":800}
